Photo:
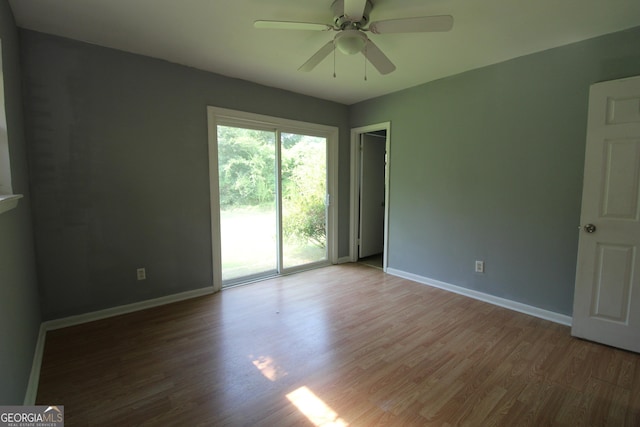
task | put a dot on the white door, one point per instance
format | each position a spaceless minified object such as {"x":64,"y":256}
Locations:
{"x":372,"y":192}
{"x":607,"y":293}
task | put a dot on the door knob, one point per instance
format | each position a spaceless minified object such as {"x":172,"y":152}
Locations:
{"x":589,"y":228}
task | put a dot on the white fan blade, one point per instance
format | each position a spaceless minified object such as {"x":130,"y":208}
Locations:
{"x":288,"y":25}
{"x":354,"y":9}
{"x":318,"y":57}
{"x":377,"y":58}
{"x":422,"y":24}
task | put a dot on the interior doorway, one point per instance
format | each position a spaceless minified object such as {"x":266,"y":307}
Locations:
{"x":370,"y":195}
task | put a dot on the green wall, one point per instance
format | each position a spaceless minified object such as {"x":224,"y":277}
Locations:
{"x":19,"y":304}
{"x":488,"y":164}
{"x":120,"y":178}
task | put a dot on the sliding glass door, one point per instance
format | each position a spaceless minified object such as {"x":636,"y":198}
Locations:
{"x":273,"y":199}
{"x":247,"y":188}
{"x":304,"y":194}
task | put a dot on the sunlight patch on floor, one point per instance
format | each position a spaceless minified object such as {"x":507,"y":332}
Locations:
{"x":268,"y":367}
{"x":318,"y":412}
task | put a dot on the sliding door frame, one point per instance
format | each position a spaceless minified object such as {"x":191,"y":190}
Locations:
{"x":227,"y":117}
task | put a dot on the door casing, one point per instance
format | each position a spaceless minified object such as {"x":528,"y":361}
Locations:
{"x":354,"y":225}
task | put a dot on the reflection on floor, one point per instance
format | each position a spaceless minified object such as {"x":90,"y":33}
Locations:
{"x":372,"y":261}
{"x":345,"y":345}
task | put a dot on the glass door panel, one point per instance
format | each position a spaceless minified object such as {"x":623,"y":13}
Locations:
{"x":304,"y":190}
{"x":248,"y":208}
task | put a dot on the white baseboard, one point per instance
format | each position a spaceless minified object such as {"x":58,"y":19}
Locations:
{"x":34,"y":377}
{"x":491,"y":299}
{"x":50,"y":325}
{"x":344,"y":260}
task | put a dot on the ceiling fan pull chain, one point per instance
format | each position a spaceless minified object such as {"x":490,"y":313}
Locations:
{"x":334,"y":62}
{"x":365,"y":63}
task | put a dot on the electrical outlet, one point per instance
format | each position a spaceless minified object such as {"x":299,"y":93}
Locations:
{"x":142,"y":273}
{"x":479,"y":266}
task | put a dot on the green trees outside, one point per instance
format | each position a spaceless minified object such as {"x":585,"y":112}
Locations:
{"x":246,"y":161}
{"x":247,"y":174}
{"x":304,"y":189}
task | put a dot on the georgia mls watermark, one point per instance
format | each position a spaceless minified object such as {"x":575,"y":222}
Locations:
{"x":32,"y":416}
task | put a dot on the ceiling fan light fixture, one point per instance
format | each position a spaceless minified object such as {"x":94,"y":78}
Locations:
{"x":350,"y":42}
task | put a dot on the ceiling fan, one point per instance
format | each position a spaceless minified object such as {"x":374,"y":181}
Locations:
{"x":351,"y":21}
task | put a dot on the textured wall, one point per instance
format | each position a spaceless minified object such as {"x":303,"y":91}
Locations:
{"x":487,"y":165}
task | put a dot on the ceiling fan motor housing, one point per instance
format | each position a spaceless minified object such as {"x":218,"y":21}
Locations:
{"x":350,"y":41}
{"x":342,"y":22}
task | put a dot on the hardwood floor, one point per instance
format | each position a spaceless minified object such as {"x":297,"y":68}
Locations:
{"x":372,"y":261}
{"x":345,"y":345}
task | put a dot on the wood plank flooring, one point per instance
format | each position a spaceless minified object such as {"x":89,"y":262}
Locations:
{"x":343,"y":345}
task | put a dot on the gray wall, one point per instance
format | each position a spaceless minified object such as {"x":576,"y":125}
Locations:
{"x":484,"y":165}
{"x":19,"y":305}
{"x":118,"y":145}
{"x":487,"y":165}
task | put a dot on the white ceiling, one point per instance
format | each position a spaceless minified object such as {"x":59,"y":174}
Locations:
{"x":218,"y":36}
